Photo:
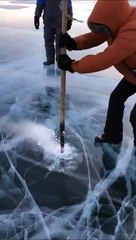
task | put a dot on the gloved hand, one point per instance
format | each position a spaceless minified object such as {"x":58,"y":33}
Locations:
{"x":69,"y":24}
{"x":66,"y":41}
{"x":36,"y":22}
{"x":64,"y":62}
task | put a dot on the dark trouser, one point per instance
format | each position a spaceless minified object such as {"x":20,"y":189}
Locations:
{"x":51,"y":36}
{"x":133,"y":122}
{"x":114,"y":123}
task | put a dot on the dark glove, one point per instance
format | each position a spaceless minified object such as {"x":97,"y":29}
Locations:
{"x":36,"y":22}
{"x":64,"y":62}
{"x":66,"y":41}
{"x":69,"y":24}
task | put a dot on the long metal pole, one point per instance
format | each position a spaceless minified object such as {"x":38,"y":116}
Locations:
{"x":63,"y":81}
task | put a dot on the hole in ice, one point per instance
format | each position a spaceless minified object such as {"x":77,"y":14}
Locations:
{"x":43,"y":139}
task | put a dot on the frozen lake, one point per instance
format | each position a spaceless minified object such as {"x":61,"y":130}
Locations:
{"x":86,"y":193}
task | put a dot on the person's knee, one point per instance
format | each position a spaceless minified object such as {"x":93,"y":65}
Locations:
{"x":133,"y":116}
{"x":115,"y":94}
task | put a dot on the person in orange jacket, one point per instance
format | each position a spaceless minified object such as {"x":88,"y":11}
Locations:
{"x":113,"y":21}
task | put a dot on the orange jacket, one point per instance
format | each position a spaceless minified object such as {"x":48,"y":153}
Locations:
{"x":120,"y":17}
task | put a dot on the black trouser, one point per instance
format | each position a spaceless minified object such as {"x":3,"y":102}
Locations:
{"x":51,"y":37}
{"x":114,"y":122}
{"x":133,"y":122}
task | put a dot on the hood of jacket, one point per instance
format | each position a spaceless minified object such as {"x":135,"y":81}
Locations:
{"x":112,"y":13}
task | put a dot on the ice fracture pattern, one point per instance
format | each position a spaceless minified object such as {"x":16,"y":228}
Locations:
{"x":86,"y":193}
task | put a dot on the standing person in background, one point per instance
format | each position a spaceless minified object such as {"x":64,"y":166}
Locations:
{"x":113,"y":22}
{"x":52,"y":20}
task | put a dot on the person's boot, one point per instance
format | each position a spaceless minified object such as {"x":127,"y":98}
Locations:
{"x":103,"y":139}
{"x":47,"y":63}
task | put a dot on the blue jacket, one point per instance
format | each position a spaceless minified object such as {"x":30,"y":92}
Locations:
{"x":51,"y":10}
{"x":41,"y":2}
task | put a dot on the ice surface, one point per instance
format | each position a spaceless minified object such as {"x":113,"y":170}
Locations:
{"x":86,"y":193}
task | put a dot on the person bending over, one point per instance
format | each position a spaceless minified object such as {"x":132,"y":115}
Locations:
{"x":114,"y":22}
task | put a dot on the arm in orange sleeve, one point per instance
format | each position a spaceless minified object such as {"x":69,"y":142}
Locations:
{"x":89,"y":40}
{"x":123,"y":47}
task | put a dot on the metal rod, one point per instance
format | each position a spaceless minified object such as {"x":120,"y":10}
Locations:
{"x":63,"y":81}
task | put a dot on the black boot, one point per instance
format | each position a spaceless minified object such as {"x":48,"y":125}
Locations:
{"x":103,"y":139}
{"x":47,"y":63}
